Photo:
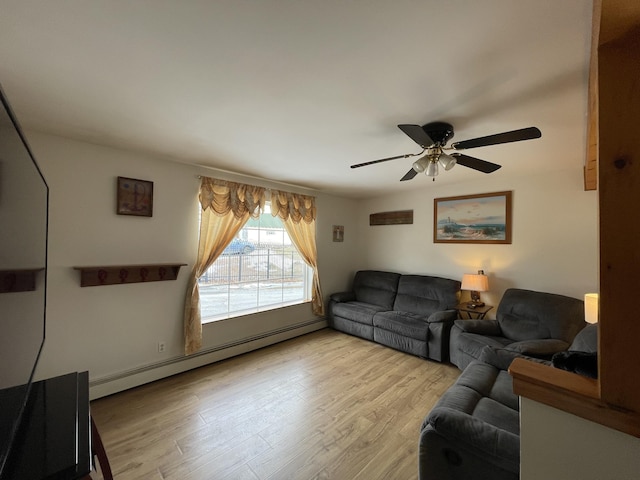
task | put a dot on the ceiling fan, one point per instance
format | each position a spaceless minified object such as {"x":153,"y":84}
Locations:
{"x":433,"y":137}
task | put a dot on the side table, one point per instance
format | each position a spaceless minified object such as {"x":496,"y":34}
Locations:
{"x":472,"y":313}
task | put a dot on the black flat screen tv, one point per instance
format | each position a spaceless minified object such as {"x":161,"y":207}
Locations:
{"x":24,"y":200}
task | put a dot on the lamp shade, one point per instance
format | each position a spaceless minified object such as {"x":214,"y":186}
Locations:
{"x":432,"y":169}
{"x":447,"y":161}
{"x":591,"y":307}
{"x":475,"y":282}
{"x":421,"y":164}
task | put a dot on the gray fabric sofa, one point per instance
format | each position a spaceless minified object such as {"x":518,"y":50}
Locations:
{"x":473,"y":430}
{"x":531,"y":323}
{"x":411,"y":313}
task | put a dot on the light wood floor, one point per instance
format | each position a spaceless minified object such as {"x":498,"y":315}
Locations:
{"x":322,"y":406}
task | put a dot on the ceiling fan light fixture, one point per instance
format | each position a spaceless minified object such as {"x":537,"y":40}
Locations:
{"x":432,"y":169}
{"x":433,"y":138}
{"x":447,"y":161}
{"x":421,"y":164}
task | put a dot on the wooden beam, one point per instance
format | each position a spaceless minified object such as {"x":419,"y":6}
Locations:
{"x":591,"y":161}
{"x":619,"y":198}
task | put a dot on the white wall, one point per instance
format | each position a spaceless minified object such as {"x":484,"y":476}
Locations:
{"x":558,"y":445}
{"x":554,"y":246}
{"x":113,"y":331}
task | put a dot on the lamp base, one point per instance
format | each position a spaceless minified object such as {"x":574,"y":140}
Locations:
{"x":475,"y":300}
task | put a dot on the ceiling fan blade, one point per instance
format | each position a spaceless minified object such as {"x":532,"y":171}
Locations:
{"x":475,"y":163}
{"x":372,"y":162}
{"x":409,"y":175}
{"x":506,"y":137}
{"x":418,"y":135}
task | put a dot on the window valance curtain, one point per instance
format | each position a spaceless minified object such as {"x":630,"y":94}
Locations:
{"x":226,"y":208}
{"x":292,"y":205}
{"x":238,"y":198}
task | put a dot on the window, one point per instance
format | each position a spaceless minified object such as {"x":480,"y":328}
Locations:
{"x":259,"y":270}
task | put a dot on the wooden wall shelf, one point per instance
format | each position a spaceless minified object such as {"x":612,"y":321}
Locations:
{"x":120,"y":274}
{"x":20,"y":280}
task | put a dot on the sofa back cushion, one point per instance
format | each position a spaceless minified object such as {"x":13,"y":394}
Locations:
{"x":529,"y":315}
{"x":375,"y":287}
{"x":424,"y":295}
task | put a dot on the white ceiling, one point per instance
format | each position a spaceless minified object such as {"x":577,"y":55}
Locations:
{"x":298,"y":90}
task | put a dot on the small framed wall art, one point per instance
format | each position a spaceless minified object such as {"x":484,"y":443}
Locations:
{"x":338,"y":233}
{"x":134,"y":197}
{"x":482,"y":218}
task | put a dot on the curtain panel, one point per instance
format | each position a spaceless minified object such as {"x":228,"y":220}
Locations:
{"x":298,"y":214}
{"x":226,"y":207}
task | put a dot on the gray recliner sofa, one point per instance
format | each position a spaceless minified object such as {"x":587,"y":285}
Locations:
{"x":536,"y":324}
{"x":473,"y":430}
{"x":411,"y":313}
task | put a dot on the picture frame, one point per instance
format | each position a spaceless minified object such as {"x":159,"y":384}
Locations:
{"x":134,"y":197}
{"x":338,"y":233}
{"x":476,"y":219}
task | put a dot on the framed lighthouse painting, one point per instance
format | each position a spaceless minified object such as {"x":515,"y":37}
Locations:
{"x":481,"y":218}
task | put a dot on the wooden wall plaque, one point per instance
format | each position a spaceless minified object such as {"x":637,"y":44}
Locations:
{"x":401,"y":217}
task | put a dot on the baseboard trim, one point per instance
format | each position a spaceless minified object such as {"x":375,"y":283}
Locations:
{"x":124,"y":380}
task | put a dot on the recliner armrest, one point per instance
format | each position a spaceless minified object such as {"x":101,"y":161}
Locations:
{"x":443,"y":316}
{"x":343,"y":297}
{"x":541,"y":348}
{"x":496,"y":445}
{"x":481,"y":327}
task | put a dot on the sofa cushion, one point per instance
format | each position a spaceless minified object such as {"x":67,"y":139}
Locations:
{"x":502,"y":392}
{"x":472,"y":343}
{"x":357,"y":311}
{"x":403,"y":323}
{"x":489,"y":381}
{"x":376,"y":288}
{"x":424,"y":295}
{"x":527,"y":314}
{"x":502,"y":357}
{"x":519,"y":328}
{"x":542,"y":348}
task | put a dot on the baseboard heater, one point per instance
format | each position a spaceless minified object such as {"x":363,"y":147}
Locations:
{"x":208,"y":351}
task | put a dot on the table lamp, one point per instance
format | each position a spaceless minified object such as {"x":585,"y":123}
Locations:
{"x":475,"y":283}
{"x":591,"y":307}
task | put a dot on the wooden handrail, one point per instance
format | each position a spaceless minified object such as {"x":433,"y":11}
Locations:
{"x":572,"y":393}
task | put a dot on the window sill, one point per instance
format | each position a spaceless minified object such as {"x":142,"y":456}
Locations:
{"x":571,"y":393}
{"x":252,"y":311}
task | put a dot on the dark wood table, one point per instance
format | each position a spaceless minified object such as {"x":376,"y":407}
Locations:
{"x":472,"y":313}
{"x":57,"y":438}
